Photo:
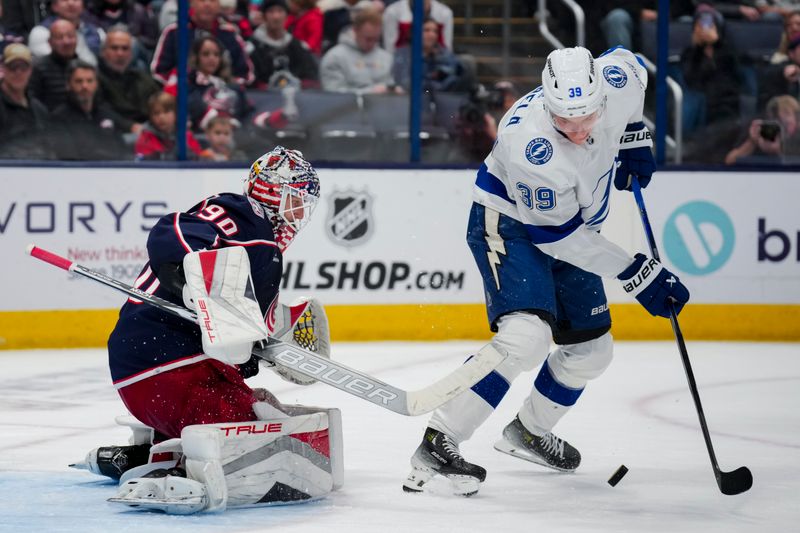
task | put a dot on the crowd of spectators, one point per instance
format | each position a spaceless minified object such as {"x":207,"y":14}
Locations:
{"x":73,"y":69}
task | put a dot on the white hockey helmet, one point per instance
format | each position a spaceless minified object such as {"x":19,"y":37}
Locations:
{"x":572,"y":87}
{"x":285,"y":184}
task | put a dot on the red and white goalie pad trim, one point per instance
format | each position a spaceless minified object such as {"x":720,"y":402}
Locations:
{"x":221,"y":291}
{"x":276,"y":461}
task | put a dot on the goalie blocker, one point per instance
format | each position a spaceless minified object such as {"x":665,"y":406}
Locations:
{"x":279,"y":460}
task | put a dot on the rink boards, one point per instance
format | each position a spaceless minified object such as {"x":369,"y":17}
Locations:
{"x":385,"y":251}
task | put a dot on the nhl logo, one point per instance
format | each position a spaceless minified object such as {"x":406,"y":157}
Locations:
{"x":350,"y":217}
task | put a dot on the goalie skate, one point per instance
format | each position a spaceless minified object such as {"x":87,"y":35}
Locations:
{"x":547,"y":450}
{"x":438,"y":454}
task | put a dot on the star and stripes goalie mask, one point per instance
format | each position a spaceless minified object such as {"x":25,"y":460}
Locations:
{"x":286,"y":185}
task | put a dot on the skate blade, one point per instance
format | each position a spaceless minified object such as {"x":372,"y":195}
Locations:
{"x":515,"y":451}
{"x":417,"y":482}
{"x":80,"y":466}
{"x":186,"y":506}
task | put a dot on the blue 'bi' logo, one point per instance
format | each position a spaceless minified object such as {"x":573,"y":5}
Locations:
{"x":539,"y":151}
{"x":615,"y":76}
{"x":699,"y":238}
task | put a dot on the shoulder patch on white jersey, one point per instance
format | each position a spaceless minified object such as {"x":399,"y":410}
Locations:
{"x":539,"y":151}
{"x":615,"y":76}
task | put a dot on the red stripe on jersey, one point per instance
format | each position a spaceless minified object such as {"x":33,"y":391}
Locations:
{"x":207,"y":260}
{"x":179,"y":234}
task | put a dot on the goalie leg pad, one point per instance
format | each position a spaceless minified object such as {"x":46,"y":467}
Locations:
{"x":264,"y":462}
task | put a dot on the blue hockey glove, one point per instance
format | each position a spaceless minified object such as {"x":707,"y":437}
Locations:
{"x":635,"y":157}
{"x":653,"y":286}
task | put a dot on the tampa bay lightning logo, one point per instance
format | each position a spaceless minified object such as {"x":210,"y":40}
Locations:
{"x":539,"y":151}
{"x":615,"y":76}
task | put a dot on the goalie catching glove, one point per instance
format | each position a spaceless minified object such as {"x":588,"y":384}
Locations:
{"x":654,"y":286}
{"x":303,"y":324}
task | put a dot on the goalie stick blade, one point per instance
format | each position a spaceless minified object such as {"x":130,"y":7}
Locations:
{"x":409,"y":403}
{"x":736,"y":481}
{"x":450,"y":386}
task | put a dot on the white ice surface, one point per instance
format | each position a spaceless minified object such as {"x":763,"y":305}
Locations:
{"x":56,"y":405}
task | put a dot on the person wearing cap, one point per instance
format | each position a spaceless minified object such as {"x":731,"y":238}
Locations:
{"x":22,"y":116}
{"x":274,"y":49}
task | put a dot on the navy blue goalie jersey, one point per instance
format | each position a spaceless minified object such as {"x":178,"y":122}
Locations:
{"x":147,"y":340}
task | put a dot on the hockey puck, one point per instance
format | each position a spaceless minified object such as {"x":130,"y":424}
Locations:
{"x":618,"y":475}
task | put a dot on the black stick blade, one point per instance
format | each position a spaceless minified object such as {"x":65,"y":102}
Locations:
{"x":735,"y":482}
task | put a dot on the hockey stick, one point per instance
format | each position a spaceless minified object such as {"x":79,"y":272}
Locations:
{"x":337,"y":375}
{"x":730,"y":483}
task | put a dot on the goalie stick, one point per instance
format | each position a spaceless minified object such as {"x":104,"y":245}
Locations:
{"x":729,"y":483}
{"x":337,"y":375}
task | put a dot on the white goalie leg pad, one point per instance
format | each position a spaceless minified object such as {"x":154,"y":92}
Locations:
{"x":286,"y":460}
{"x":304,"y":324}
{"x":571,"y":366}
{"x":526,"y":339}
{"x":221,"y":291}
{"x":264,"y":462}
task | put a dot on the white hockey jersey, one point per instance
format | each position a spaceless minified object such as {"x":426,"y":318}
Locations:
{"x":560,"y":190}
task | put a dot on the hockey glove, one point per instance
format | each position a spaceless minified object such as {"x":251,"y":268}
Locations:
{"x":635,"y":157}
{"x":654,"y":286}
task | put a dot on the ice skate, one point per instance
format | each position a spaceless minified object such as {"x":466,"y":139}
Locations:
{"x":439,"y":454}
{"x":547,"y":450}
{"x":113,"y":461}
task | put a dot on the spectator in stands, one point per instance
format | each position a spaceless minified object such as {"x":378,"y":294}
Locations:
{"x":203,"y":17}
{"x":791,"y":26}
{"x":90,"y":35}
{"x":338,"y":17}
{"x":157,"y":139}
{"x":211,"y":91}
{"x":124,"y":87}
{"x":710,"y":71}
{"x":22,"y":117}
{"x":7,"y":36}
{"x":49,"y":80}
{"x":88,"y":128}
{"x":397,"y":23}
{"x":229,"y":12}
{"x":621,"y":22}
{"x":139,"y":17}
{"x":784,"y":77}
{"x":774,"y":140}
{"x":221,"y":144}
{"x":443,"y":71}
{"x":274,"y":49}
{"x":21,"y":16}
{"x":305,"y":23}
{"x":359,"y":66}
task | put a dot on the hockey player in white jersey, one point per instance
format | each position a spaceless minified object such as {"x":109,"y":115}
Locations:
{"x":540,"y":199}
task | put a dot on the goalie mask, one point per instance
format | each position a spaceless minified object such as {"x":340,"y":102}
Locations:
{"x":573,"y":91}
{"x":286,"y":185}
